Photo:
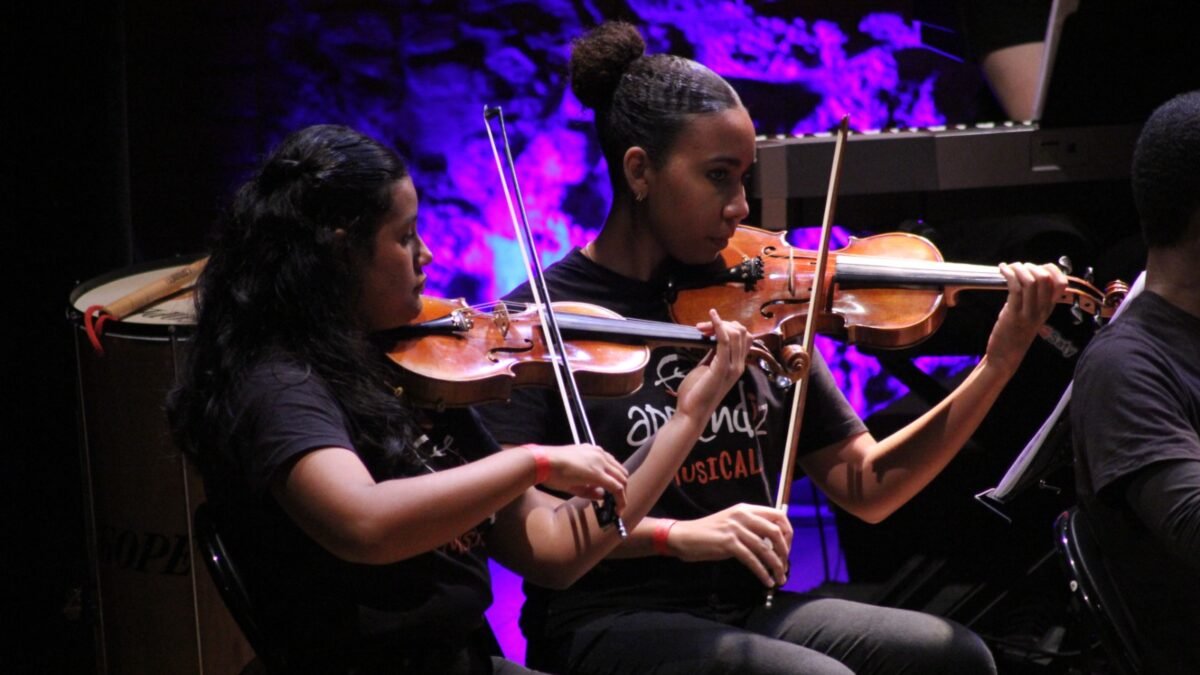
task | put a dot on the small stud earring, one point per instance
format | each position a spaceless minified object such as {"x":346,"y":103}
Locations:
{"x":640,"y":197}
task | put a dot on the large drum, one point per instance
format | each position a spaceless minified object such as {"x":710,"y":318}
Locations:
{"x":157,"y":609}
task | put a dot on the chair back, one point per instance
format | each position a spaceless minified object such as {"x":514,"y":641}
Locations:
{"x":206,"y":524}
{"x":1095,"y":592}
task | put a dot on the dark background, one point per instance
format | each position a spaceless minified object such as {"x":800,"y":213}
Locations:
{"x":115,"y":147}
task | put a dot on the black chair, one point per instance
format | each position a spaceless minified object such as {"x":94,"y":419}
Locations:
{"x":1094,"y":592}
{"x":224,"y":573}
{"x":271,"y":659}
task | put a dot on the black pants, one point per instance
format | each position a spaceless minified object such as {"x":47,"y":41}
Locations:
{"x":799,"y":634}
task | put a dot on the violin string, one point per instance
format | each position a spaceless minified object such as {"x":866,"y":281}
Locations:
{"x":604,"y":325}
{"x":634,"y":327}
{"x":872,"y":268}
{"x":930,"y":269}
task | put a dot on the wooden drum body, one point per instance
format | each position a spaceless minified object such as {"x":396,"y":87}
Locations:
{"x":157,"y":610}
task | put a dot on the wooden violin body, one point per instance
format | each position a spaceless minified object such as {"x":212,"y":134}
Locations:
{"x":887,"y":291}
{"x":456,"y":355}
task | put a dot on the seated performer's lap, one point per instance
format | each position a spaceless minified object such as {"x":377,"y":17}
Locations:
{"x":799,"y":634}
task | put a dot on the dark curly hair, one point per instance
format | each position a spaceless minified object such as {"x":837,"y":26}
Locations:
{"x":1166,"y":171}
{"x":280,"y":285}
{"x":640,"y":100}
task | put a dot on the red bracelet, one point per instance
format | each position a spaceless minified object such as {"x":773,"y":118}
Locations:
{"x":541,"y":465}
{"x":661,"y":530}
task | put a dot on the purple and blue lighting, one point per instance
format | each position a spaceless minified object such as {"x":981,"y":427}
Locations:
{"x":418,"y":75}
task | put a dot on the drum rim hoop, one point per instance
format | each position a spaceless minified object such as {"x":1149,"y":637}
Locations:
{"x":120,"y":329}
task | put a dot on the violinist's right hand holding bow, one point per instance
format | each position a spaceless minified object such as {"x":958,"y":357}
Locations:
{"x":581,"y":470}
{"x":758,"y":536}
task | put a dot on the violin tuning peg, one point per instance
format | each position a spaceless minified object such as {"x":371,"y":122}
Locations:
{"x":1065,"y":263}
{"x":1077,"y":313}
{"x":1089,"y":275}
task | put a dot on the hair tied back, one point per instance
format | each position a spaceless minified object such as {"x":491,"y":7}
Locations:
{"x":279,"y":173}
{"x":601,"y":58}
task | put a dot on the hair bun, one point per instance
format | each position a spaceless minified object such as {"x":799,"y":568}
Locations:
{"x":600,"y":57}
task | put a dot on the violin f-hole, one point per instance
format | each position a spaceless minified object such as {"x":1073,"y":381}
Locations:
{"x":766,"y":313}
{"x":491,"y":355}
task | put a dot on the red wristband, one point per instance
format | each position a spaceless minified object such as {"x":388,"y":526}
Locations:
{"x":661,"y":529}
{"x":541,"y":465}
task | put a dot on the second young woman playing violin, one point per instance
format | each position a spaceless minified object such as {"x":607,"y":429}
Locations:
{"x":360,"y":523}
{"x":685,"y":593}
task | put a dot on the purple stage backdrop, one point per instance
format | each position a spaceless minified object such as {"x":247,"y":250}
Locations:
{"x":418,"y":74}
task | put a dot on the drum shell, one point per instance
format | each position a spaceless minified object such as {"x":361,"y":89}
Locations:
{"x":158,"y":610}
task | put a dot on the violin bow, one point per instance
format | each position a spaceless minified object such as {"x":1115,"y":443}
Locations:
{"x":581,"y":430}
{"x":817,"y":294}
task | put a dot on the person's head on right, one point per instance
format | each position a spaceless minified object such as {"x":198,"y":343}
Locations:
{"x":677,"y":140}
{"x":1166,"y":173}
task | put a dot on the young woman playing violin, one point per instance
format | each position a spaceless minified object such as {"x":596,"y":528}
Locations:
{"x":686,"y":591}
{"x":359,"y":522}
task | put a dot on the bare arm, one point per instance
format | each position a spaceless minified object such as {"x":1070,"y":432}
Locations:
{"x":552,"y":542}
{"x":1013,"y":73}
{"x":741,"y":531}
{"x":759,"y":536}
{"x":870,"y":478}
{"x":334,"y":499}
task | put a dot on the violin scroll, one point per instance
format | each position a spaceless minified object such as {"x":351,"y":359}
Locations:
{"x":794,"y":358}
{"x":1087,"y":301}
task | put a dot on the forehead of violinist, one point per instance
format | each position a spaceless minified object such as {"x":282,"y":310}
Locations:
{"x":677,"y":92}
{"x":725,"y":137}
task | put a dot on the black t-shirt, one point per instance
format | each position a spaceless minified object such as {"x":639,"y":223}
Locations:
{"x":1136,"y":408}
{"x":331,"y":614}
{"x":737,"y":458}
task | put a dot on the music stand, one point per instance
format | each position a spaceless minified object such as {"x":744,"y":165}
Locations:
{"x":1047,"y":449}
{"x":1045,"y":452}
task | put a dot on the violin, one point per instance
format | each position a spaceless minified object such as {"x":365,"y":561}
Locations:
{"x":887,"y":291}
{"x":456,"y":355}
